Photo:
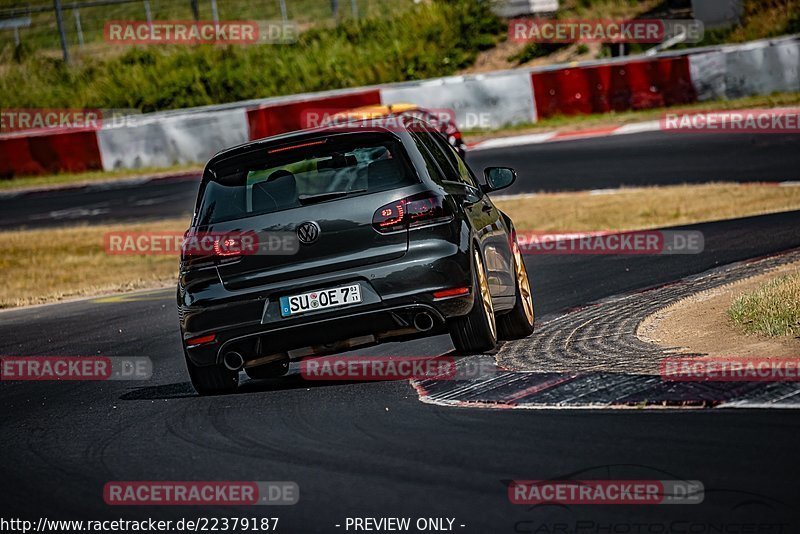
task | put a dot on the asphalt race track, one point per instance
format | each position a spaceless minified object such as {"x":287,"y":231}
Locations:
{"x":373,"y":449}
{"x":650,"y":158}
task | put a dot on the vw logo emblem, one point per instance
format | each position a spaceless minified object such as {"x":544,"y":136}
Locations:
{"x":308,"y":232}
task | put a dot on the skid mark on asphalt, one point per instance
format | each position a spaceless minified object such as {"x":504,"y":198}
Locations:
{"x":592,"y":358}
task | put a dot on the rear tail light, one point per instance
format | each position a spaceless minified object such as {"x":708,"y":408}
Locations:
{"x":453,"y":292}
{"x":418,"y":210}
{"x":210,"y":245}
{"x":225,"y":247}
{"x":295,"y":147}
{"x":202,"y":340}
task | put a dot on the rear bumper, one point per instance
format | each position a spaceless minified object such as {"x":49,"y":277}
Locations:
{"x":325,"y":336}
{"x":335,"y":332}
{"x":393,"y":293}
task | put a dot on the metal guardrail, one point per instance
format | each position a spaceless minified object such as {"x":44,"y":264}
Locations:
{"x":16,"y":11}
{"x":15,"y":24}
{"x":516,"y":8}
{"x":669,"y":43}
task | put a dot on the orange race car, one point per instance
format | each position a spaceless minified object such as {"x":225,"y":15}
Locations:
{"x":443,"y":120}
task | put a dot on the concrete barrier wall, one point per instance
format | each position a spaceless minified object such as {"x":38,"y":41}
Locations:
{"x":166,"y":141}
{"x":493,"y":100}
{"x":277,"y":118}
{"x":602,"y":88}
{"x":49,"y":152}
{"x":748,"y":70}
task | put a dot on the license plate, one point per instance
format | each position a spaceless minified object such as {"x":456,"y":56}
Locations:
{"x":320,"y":300}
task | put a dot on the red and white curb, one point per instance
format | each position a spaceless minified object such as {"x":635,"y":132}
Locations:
{"x":550,"y":137}
{"x":502,"y":97}
{"x":625,"y":129}
{"x":592,"y":357}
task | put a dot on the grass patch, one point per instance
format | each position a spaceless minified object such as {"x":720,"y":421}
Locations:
{"x":771,"y":310}
{"x":43,"y":33}
{"x":646,"y":207}
{"x":429,"y":39}
{"x":55,"y":264}
{"x":761,"y":19}
{"x":63,"y":179}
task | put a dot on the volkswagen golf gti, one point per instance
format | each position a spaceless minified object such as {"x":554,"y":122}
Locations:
{"x":356,"y":235}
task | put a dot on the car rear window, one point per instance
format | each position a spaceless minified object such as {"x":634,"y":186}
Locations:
{"x":306,"y":172}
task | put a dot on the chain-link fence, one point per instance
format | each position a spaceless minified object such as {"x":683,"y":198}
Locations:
{"x":34,"y":25}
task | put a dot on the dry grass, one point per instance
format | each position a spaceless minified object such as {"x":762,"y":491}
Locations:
{"x":767,"y":18}
{"x":605,"y":9}
{"x":50,"y":265}
{"x":55,"y":264}
{"x":503,"y":55}
{"x":646,"y":207}
{"x":771,"y":310}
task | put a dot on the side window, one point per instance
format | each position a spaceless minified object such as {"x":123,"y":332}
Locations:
{"x":434,"y":165}
{"x":464,"y":174}
{"x":433,"y":169}
{"x":431,"y":142}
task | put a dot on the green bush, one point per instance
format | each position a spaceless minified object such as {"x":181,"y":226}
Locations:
{"x":535,"y":50}
{"x":428,"y":40}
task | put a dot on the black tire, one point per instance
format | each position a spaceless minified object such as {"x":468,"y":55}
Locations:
{"x":517,"y":324}
{"x":213,"y":379}
{"x":476,"y":332}
{"x":270,"y":370}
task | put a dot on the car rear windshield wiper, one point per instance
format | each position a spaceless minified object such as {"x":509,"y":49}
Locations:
{"x":311,"y":199}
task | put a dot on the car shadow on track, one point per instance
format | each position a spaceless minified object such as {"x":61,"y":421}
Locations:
{"x":292,"y":381}
{"x":184,"y":390}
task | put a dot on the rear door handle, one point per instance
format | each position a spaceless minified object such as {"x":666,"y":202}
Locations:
{"x":487,"y":208}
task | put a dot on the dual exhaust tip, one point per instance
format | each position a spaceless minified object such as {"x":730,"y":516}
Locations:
{"x":234,"y":361}
{"x":423,"y":321}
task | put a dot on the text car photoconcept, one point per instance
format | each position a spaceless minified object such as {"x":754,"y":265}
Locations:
{"x":356,"y":235}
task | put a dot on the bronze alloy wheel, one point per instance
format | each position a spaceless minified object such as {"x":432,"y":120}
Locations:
{"x":523,"y":284}
{"x":486,"y":297}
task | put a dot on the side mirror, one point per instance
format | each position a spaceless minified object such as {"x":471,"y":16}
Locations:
{"x":498,"y":178}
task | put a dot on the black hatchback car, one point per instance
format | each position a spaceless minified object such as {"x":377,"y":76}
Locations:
{"x":355,"y":236}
